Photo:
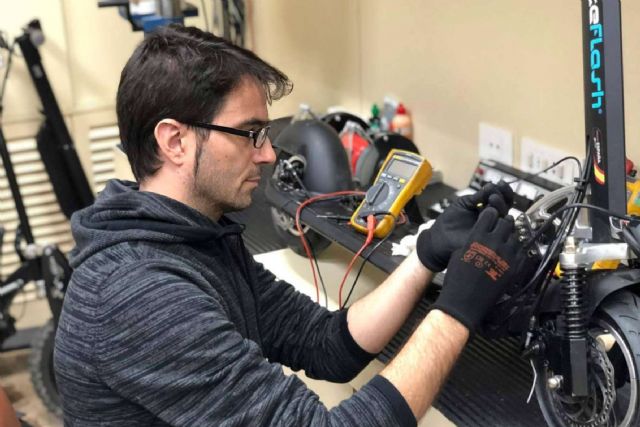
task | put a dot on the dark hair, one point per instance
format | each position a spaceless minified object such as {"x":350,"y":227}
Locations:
{"x":182,"y":73}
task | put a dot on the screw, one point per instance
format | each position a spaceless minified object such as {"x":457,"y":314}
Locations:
{"x":554,"y":382}
{"x":570,"y":245}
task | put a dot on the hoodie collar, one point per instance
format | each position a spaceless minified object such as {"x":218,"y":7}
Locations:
{"x":124,"y":213}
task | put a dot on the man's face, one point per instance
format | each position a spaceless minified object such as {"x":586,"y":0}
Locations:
{"x":229,"y":165}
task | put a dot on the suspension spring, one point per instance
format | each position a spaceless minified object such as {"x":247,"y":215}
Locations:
{"x":574,"y":303}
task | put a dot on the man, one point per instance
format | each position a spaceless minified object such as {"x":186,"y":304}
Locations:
{"x":169,"y":321}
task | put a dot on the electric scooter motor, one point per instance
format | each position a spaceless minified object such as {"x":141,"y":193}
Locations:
{"x":327,"y":165}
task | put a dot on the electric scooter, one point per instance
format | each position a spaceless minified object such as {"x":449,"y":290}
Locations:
{"x":42,"y":264}
{"x":577,"y":316}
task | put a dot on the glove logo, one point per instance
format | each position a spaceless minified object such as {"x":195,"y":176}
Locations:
{"x":484,"y":258}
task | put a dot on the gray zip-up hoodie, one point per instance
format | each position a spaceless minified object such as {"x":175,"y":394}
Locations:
{"x":169,"y":321}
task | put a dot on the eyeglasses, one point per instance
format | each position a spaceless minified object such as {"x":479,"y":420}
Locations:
{"x":258,"y":137}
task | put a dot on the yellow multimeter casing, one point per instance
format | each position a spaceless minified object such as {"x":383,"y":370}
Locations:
{"x":402,"y":175}
{"x":633,"y":196}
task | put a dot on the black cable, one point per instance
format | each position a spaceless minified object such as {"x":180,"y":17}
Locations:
{"x":552,"y":248}
{"x":313,"y":254}
{"x":304,"y":189}
{"x":315,"y":260}
{"x":366,"y":258}
{"x":309,"y":208}
{"x":299,"y":180}
{"x":553,"y":165}
{"x":576,"y":206}
{"x":566,"y":226}
{"x":329,"y":199}
{"x":631,"y":240}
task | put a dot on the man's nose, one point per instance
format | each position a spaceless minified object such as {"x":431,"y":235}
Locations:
{"x":266,"y":154}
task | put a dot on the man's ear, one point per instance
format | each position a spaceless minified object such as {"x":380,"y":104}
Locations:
{"x":169,"y":135}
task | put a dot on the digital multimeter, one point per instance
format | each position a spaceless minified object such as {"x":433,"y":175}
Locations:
{"x":402,"y":175}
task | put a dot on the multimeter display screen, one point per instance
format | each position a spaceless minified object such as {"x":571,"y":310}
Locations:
{"x":401,"y":169}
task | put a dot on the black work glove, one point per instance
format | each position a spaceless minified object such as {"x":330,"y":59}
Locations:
{"x":435,"y":245}
{"x":479,"y":273}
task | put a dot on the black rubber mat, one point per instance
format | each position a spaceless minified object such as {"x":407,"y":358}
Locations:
{"x":489,"y":385}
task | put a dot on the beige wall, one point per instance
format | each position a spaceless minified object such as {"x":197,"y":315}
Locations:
{"x":317,"y":44}
{"x":84,"y":49}
{"x":513,"y":63}
{"x":84,"y":52}
{"x":458,"y":63}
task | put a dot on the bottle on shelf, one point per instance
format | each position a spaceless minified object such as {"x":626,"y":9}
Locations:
{"x":374,"y":121}
{"x":389,"y":107}
{"x":402,"y":123}
{"x":304,"y":113}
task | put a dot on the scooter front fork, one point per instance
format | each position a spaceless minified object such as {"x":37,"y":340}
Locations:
{"x":574,"y":329}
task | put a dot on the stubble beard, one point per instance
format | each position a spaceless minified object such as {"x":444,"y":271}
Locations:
{"x":209,"y":194}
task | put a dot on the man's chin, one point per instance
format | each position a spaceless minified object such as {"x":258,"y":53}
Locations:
{"x":237,"y":206}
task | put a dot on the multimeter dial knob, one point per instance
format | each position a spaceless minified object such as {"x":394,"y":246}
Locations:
{"x":377,"y":193}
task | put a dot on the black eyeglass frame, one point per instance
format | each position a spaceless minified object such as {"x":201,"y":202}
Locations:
{"x":251,"y":134}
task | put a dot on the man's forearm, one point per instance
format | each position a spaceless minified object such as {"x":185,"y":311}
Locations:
{"x":420,"y":369}
{"x":375,"y":319}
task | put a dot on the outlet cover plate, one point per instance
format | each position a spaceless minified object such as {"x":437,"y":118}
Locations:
{"x":535,"y":156}
{"x":495,"y":143}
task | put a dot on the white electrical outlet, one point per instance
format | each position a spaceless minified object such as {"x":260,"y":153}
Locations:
{"x":495,"y":143}
{"x":535,"y":157}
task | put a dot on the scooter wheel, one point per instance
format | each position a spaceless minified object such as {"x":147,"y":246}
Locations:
{"x":285,"y":228}
{"x":41,"y":368}
{"x":618,"y":320}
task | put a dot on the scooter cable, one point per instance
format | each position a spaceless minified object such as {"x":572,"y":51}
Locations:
{"x":548,"y":168}
{"x":324,"y":288}
{"x":577,"y":206}
{"x":568,"y":221}
{"x":566,"y":225}
{"x":542,"y":268}
{"x":305,"y":244}
{"x":631,"y":240}
{"x":366,"y":259}
{"x":371,"y":228}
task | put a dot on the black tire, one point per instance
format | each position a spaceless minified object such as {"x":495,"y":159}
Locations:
{"x":284,"y":226}
{"x":41,"y":368}
{"x":619,"y":316}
